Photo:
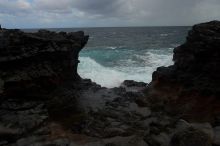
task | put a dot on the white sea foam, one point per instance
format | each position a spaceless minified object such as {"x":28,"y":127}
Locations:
{"x":114,"y":76}
{"x":104,"y":76}
{"x":164,"y":34}
{"x":111,"y":47}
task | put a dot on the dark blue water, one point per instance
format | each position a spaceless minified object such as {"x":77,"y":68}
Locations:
{"x":113,"y":55}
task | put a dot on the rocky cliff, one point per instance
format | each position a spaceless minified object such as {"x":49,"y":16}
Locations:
{"x":192,"y":84}
{"x":38,"y":72}
{"x":40,"y":90}
{"x":34,"y":63}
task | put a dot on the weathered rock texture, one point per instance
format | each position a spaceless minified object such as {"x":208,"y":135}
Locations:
{"x":40,"y":88}
{"x":38,"y":72}
{"x":34,"y":63}
{"x":192,"y":84}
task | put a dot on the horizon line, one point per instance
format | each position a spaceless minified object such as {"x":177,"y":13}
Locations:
{"x":76,"y":27}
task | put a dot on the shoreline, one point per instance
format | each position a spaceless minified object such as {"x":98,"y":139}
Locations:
{"x":43,"y":100}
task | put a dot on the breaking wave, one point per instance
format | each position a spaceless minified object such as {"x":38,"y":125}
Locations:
{"x":139,"y":67}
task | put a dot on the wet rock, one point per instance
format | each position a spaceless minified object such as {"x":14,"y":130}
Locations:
{"x":191,"y":86}
{"x":145,"y":124}
{"x":25,"y":119}
{"x":125,"y":141}
{"x":30,"y":141}
{"x":133,"y":86}
{"x":216,"y":136}
{"x":163,"y":139}
{"x":190,"y":137}
{"x":181,"y":125}
{"x":112,"y":132}
{"x":205,"y":127}
{"x":35,"y":70}
{"x":131,"y":83}
{"x":8,"y":134}
{"x":34,"y":64}
{"x":39,"y":84}
{"x":142,"y":111}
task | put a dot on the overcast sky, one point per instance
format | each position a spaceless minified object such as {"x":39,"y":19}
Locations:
{"x":95,"y":13}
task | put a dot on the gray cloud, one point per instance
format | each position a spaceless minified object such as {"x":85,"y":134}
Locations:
{"x":52,"y":6}
{"x":108,"y":12}
{"x":104,"y":7}
{"x":14,"y":7}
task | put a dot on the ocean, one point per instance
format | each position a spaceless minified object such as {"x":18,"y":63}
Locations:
{"x":115,"y":54}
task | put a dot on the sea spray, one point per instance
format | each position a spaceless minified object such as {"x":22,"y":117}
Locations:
{"x":113,"y":55}
{"x":136,"y":66}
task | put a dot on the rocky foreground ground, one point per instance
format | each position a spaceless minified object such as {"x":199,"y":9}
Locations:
{"x":44,"y":102}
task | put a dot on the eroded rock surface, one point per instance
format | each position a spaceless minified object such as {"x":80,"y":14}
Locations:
{"x":191,"y":85}
{"x":37,"y":75}
{"x":44,"y":102}
{"x":32,"y":64}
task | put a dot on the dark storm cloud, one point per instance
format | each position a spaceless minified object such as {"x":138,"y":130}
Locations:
{"x":110,"y":12}
{"x":101,"y":7}
{"x":89,"y":7}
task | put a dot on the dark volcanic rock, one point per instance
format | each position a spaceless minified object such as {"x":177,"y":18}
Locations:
{"x":43,"y":101}
{"x":190,"y":137}
{"x":192,"y":84}
{"x":34,"y":63}
{"x":131,"y":83}
{"x":38,"y":74}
